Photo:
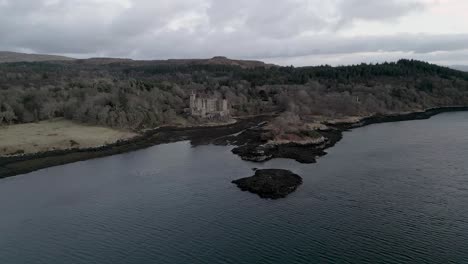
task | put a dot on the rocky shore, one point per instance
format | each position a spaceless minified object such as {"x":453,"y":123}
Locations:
{"x":260,"y":151}
{"x":251,"y":146}
{"x":270,"y":183}
{"x":245,"y":136}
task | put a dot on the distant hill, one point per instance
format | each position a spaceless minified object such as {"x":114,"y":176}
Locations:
{"x":221,"y":61}
{"x":460,"y":67}
{"x":246,"y":64}
{"x":7,"y":56}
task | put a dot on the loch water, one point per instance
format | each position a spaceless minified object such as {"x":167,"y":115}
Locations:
{"x":387,"y":193}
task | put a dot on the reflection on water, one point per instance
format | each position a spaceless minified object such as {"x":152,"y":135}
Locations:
{"x":387,"y":193}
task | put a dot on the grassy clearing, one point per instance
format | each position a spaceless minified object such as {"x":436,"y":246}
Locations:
{"x":55,"y":134}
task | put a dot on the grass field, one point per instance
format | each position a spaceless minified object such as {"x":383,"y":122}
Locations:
{"x":55,"y":134}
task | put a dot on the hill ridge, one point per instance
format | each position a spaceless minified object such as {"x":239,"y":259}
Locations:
{"x":10,"y":56}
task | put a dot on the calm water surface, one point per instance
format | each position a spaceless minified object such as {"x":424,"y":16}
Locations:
{"x":387,"y":193}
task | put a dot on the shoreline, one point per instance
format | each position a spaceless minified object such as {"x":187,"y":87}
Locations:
{"x":200,"y":135}
{"x":421,"y":115}
{"x":252,"y":148}
{"x":241,"y":134}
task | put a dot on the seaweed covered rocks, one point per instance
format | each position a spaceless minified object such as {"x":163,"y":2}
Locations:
{"x":270,"y":183}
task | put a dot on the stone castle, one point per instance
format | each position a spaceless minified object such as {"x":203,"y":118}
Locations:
{"x":208,"y":107}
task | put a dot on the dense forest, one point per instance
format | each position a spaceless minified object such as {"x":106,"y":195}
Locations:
{"x":127,"y":94}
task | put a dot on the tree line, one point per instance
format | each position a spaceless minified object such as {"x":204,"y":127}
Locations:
{"x":144,"y":95}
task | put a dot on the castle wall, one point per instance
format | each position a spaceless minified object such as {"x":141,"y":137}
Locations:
{"x":208,"y":107}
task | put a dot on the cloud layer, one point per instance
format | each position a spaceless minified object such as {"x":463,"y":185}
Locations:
{"x":275,"y":30}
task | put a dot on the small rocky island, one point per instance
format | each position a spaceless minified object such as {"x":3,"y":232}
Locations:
{"x":270,"y":183}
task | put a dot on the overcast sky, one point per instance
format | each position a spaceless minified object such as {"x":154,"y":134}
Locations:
{"x":297,"y":32}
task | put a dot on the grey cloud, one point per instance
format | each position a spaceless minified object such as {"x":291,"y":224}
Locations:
{"x":242,"y":29}
{"x":62,"y":27}
{"x":247,"y":46}
{"x":286,"y":18}
{"x":269,"y":18}
{"x":351,"y":10}
{"x":145,"y":15}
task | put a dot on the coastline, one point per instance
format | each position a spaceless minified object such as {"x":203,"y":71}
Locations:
{"x":421,"y":115}
{"x":250,"y":146}
{"x":199,"y":135}
{"x":239,"y":134}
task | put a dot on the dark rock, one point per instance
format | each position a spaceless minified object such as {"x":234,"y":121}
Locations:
{"x":270,"y":183}
{"x":253,"y":153}
{"x":257,"y":151}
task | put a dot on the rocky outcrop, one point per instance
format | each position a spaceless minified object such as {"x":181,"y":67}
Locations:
{"x":254,"y":153}
{"x":270,"y":183}
{"x":252,"y":148}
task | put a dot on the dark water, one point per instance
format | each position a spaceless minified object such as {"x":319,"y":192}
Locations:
{"x":388,"y":193}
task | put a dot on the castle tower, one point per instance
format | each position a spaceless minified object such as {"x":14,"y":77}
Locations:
{"x":193,"y":98}
{"x":225,"y":106}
